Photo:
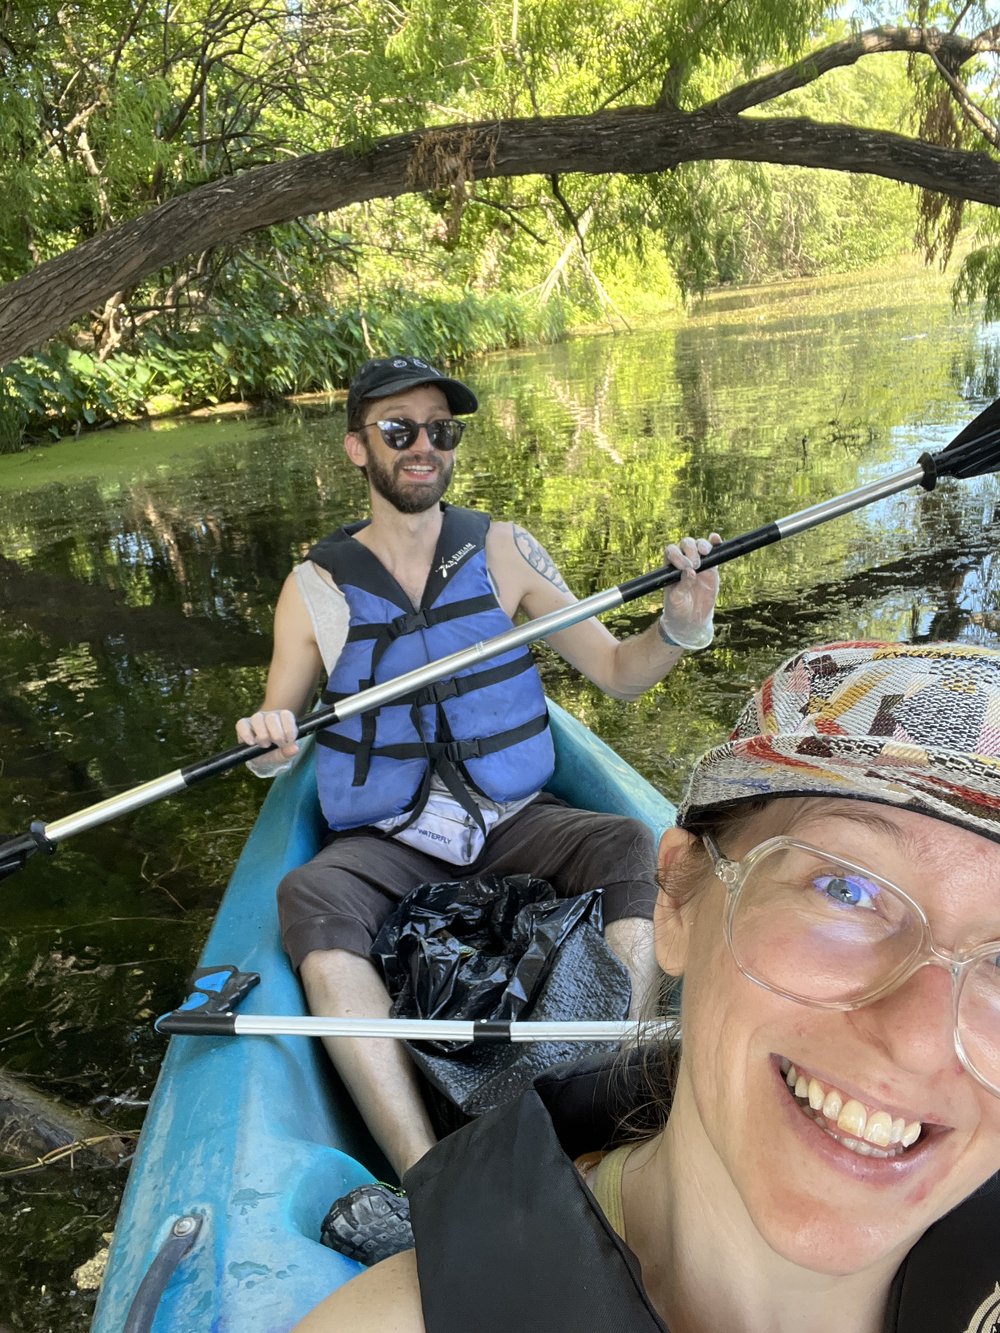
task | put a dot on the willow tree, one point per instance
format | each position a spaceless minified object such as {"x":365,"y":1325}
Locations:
{"x":140,"y":144}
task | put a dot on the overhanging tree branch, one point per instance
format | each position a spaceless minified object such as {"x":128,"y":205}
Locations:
{"x":972,"y":113}
{"x":626,"y":140}
{"x":876,"y":41}
{"x":629,"y":140}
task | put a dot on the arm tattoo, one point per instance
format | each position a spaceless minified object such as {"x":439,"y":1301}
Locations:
{"x":538,"y":558}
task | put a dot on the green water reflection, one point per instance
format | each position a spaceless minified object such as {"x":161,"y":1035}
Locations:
{"x":138,"y":570}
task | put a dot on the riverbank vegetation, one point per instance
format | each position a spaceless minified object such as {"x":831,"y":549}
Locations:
{"x":113,"y":111}
{"x":254,"y":353}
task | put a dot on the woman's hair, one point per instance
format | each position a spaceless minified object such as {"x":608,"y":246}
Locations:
{"x":658,"y":1057}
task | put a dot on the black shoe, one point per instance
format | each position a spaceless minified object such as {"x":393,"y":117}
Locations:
{"x":369,"y":1224}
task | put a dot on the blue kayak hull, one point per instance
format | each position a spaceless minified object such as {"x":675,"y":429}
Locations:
{"x":255,"y":1136}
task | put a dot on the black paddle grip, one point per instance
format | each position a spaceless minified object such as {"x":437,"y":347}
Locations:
{"x":728,"y":550}
{"x":194,"y":1024}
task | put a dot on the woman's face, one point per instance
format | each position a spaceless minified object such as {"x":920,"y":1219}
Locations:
{"x":811,"y":1193}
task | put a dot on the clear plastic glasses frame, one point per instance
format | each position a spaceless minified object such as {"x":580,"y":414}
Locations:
{"x":982,"y":960}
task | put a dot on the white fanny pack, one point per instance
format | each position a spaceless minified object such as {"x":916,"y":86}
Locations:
{"x":443,"y":829}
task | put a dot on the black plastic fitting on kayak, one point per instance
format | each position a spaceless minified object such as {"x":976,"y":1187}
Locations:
{"x":194,"y":1024}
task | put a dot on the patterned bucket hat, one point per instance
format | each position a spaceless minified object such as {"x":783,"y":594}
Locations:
{"x":915,"y":725}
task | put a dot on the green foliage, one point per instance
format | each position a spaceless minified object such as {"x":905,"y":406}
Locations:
{"x":979,"y":271}
{"x":736,"y":222}
{"x":108,"y":108}
{"x":239,"y":354}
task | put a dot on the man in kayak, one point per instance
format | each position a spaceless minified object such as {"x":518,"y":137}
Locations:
{"x":447,"y":783}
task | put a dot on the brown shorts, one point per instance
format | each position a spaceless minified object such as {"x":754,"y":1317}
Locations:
{"x":340,"y":898}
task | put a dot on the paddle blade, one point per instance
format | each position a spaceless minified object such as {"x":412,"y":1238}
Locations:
{"x":14,"y":852}
{"x":975,"y":450}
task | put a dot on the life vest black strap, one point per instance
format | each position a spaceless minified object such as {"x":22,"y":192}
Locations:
{"x":390,"y":629}
{"x":454,"y":752}
{"x":420,"y":798}
{"x":452,"y":779}
{"x":411,"y":621}
{"x":453,"y":686}
{"x":458,"y":686}
{"x":363,"y":759}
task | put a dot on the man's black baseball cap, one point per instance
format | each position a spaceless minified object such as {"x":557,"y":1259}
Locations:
{"x":391,"y":374}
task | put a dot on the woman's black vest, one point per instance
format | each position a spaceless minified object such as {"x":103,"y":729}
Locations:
{"x":510,"y":1240}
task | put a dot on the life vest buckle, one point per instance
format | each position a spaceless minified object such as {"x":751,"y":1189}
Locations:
{"x":457,"y":752}
{"x":406,"y":624}
{"x":442,"y":689}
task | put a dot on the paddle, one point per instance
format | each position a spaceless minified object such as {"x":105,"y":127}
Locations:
{"x":215,"y":991}
{"x":410,"y":1029}
{"x":974,"y":452}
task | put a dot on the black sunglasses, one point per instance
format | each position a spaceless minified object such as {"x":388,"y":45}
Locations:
{"x":401,"y":432}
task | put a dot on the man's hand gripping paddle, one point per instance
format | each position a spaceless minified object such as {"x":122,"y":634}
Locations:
{"x":974,"y":452}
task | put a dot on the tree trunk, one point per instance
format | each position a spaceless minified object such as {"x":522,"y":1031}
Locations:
{"x":629,"y":140}
{"x":33,"y":1126}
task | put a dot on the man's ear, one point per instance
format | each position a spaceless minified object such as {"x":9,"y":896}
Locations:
{"x":671,"y":917}
{"x":354,"y":448}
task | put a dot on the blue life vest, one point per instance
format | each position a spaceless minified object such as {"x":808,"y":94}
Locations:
{"x":484,"y":729}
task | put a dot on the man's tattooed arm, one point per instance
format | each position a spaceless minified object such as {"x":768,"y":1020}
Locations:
{"x":538,"y":558}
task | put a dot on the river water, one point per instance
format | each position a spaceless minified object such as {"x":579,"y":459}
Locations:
{"x":139,"y":567}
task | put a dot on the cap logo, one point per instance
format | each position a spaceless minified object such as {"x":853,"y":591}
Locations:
{"x":412,"y":363}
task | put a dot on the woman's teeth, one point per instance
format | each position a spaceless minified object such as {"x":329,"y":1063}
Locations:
{"x":872,"y":1133}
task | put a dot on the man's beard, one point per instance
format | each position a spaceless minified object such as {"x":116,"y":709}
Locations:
{"x":407,"y":497}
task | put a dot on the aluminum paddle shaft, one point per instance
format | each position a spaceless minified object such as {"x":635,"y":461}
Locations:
{"x":184,"y":1024}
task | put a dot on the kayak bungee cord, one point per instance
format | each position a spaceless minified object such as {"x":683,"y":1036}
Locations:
{"x":974,"y":452}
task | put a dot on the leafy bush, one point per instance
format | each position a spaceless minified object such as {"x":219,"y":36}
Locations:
{"x":252,"y":355}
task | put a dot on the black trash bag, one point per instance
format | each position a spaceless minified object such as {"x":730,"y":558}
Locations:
{"x":497,"y":948}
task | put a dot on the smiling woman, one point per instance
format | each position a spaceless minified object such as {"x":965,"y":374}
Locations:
{"x":822,"y":1153}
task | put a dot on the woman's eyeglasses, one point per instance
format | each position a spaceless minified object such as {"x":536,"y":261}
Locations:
{"x":401,"y":432}
{"x":833,"y":934}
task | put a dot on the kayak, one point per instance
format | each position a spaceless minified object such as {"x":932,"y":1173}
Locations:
{"x":248,"y":1140}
